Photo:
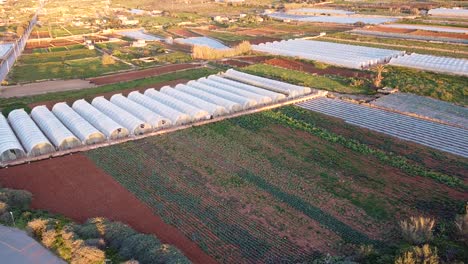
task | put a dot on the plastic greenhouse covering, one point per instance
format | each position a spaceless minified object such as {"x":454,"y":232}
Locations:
{"x":212,"y":109}
{"x":275,"y":97}
{"x":141,"y":112}
{"x":77,"y":124}
{"x":260,"y":99}
{"x":105,"y":124}
{"x":446,"y":12}
{"x":176,"y":117}
{"x":134,"y":125}
{"x":272,"y":85}
{"x":195,"y":112}
{"x":319,"y":11}
{"x":57,"y":133}
{"x":428,"y":28}
{"x":31,"y":137}
{"x":246,"y":103}
{"x":202,"y":41}
{"x":345,"y":55}
{"x":338,"y":19}
{"x":10,"y":147}
{"x":433,"y":63}
{"x":209,"y":97}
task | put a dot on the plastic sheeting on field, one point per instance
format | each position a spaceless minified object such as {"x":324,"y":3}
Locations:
{"x":176,"y":117}
{"x":447,"y":12}
{"x":428,"y":28}
{"x":345,"y":55}
{"x":195,"y":112}
{"x":10,"y":147}
{"x":281,"y":87}
{"x":275,"y":97}
{"x":105,"y":124}
{"x":245,"y":102}
{"x":202,"y":41}
{"x":333,"y":19}
{"x":433,"y":63}
{"x":134,"y":125}
{"x":5,"y":48}
{"x":319,"y":11}
{"x":260,"y":99}
{"x":139,"y":35}
{"x":209,"y":97}
{"x":57,"y":133}
{"x":143,"y":113}
{"x":31,"y":137}
{"x":77,"y":124}
{"x":212,"y":109}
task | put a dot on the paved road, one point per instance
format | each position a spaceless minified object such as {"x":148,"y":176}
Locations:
{"x":16,"y":247}
{"x":44,"y":87}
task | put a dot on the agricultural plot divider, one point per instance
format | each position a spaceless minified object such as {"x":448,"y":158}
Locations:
{"x":85,"y":126}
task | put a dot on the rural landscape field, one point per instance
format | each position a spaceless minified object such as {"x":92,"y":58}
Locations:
{"x":234,"y":131}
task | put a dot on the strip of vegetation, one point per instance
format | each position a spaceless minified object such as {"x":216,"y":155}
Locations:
{"x":297,"y":118}
{"x":9,"y":104}
{"x":334,"y":84}
{"x":92,"y":242}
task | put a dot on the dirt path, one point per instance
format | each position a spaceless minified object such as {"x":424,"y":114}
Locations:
{"x":395,"y":45}
{"x":75,"y":187}
{"x":44,"y":87}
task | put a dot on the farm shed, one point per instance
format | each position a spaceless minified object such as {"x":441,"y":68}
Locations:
{"x":209,"y":97}
{"x":155,"y":120}
{"x":260,"y":99}
{"x":176,"y":117}
{"x":31,"y":137}
{"x":57,"y":133}
{"x":134,"y":125}
{"x":195,"y":112}
{"x":10,"y":147}
{"x":275,"y":97}
{"x":105,"y":124}
{"x":276,"y":86}
{"x":212,"y":109}
{"x":246,"y":103}
{"x":77,"y":124}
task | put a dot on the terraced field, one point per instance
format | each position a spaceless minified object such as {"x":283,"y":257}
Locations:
{"x":273,"y":187}
{"x":439,"y":136}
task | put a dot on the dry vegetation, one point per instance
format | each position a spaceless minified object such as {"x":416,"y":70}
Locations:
{"x":207,"y":53}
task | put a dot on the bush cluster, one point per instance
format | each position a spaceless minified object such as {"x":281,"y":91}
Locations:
{"x":207,"y":53}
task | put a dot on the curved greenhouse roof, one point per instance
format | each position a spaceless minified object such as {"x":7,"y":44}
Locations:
{"x":77,"y":124}
{"x":10,"y":147}
{"x":119,"y":115}
{"x":176,"y":117}
{"x":31,"y":137}
{"x":260,"y":99}
{"x":57,"y":133}
{"x":209,"y":97}
{"x":105,"y":124}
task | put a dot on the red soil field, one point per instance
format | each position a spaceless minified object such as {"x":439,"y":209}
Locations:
{"x":73,"y":186}
{"x":440,"y":34}
{"x":259,"y":40}
{"x":390,"y":30}
{"x":134,"y":75}
{"x":183,"y":33}
{"x":309,"y":68}
{"x":108,"y":95}
{"x":254,"y":59}
{"x":235,"y":63}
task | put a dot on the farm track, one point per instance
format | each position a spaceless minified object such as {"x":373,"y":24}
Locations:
{"x":443,"y":137}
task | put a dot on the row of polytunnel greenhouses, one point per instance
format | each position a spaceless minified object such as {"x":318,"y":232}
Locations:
{"x":433,"y":63}
{"x":83,"y":123}
{"x":345,"y":55}
{"x":449,"y":12}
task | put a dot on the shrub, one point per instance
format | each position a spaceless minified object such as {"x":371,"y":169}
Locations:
{"x":107,"y":59}
{"x":461,"y":223}
{"x":36,"y":227}
{"x":3,"y":207}
{"x":92,"y":228}
{"x":417,"y":230}
{"x":136,"y":245}
{"x":116,"y":232}
{"x":82,"y":254}
{"x":48,"y":238}
{"x":168,"y":254}
{"x":419,"y":255}
{"x":16,"y":198}
{"x":207,"y":53}
{"x":96,"y":242}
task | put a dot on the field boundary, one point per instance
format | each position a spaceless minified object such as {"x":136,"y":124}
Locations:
{"x":319,"y":93}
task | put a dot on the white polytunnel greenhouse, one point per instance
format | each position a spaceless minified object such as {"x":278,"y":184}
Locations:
{"x":10,"y":147}
{"x":212,"y":109}
{"x":77,"y":124}
{"x":260,"y":99}
{"x":105,"y":124}
{"x":272,"y":85}
{"x":31,"y":137}
{"x":57,"y":133}
{"x":433,"y":63}
{"x":143,"y":113}
{"x":209,"y":97}
{"x":195,"y":112}
{"x":275,"y":97}
{"x":246,"y":103}
{"x":134,"y":125}
{"x":176,"y":117}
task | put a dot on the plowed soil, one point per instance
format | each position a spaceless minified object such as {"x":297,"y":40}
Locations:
{"x":75,"y":187}
{"x":135,"y":75}
{"x":309,"y":68}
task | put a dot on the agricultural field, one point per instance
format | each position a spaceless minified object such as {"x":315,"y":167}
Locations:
{"x":280,"y":186}
{"x":65,"y":64}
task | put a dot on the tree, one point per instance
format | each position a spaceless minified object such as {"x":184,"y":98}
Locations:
{"x":379,"y":69}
